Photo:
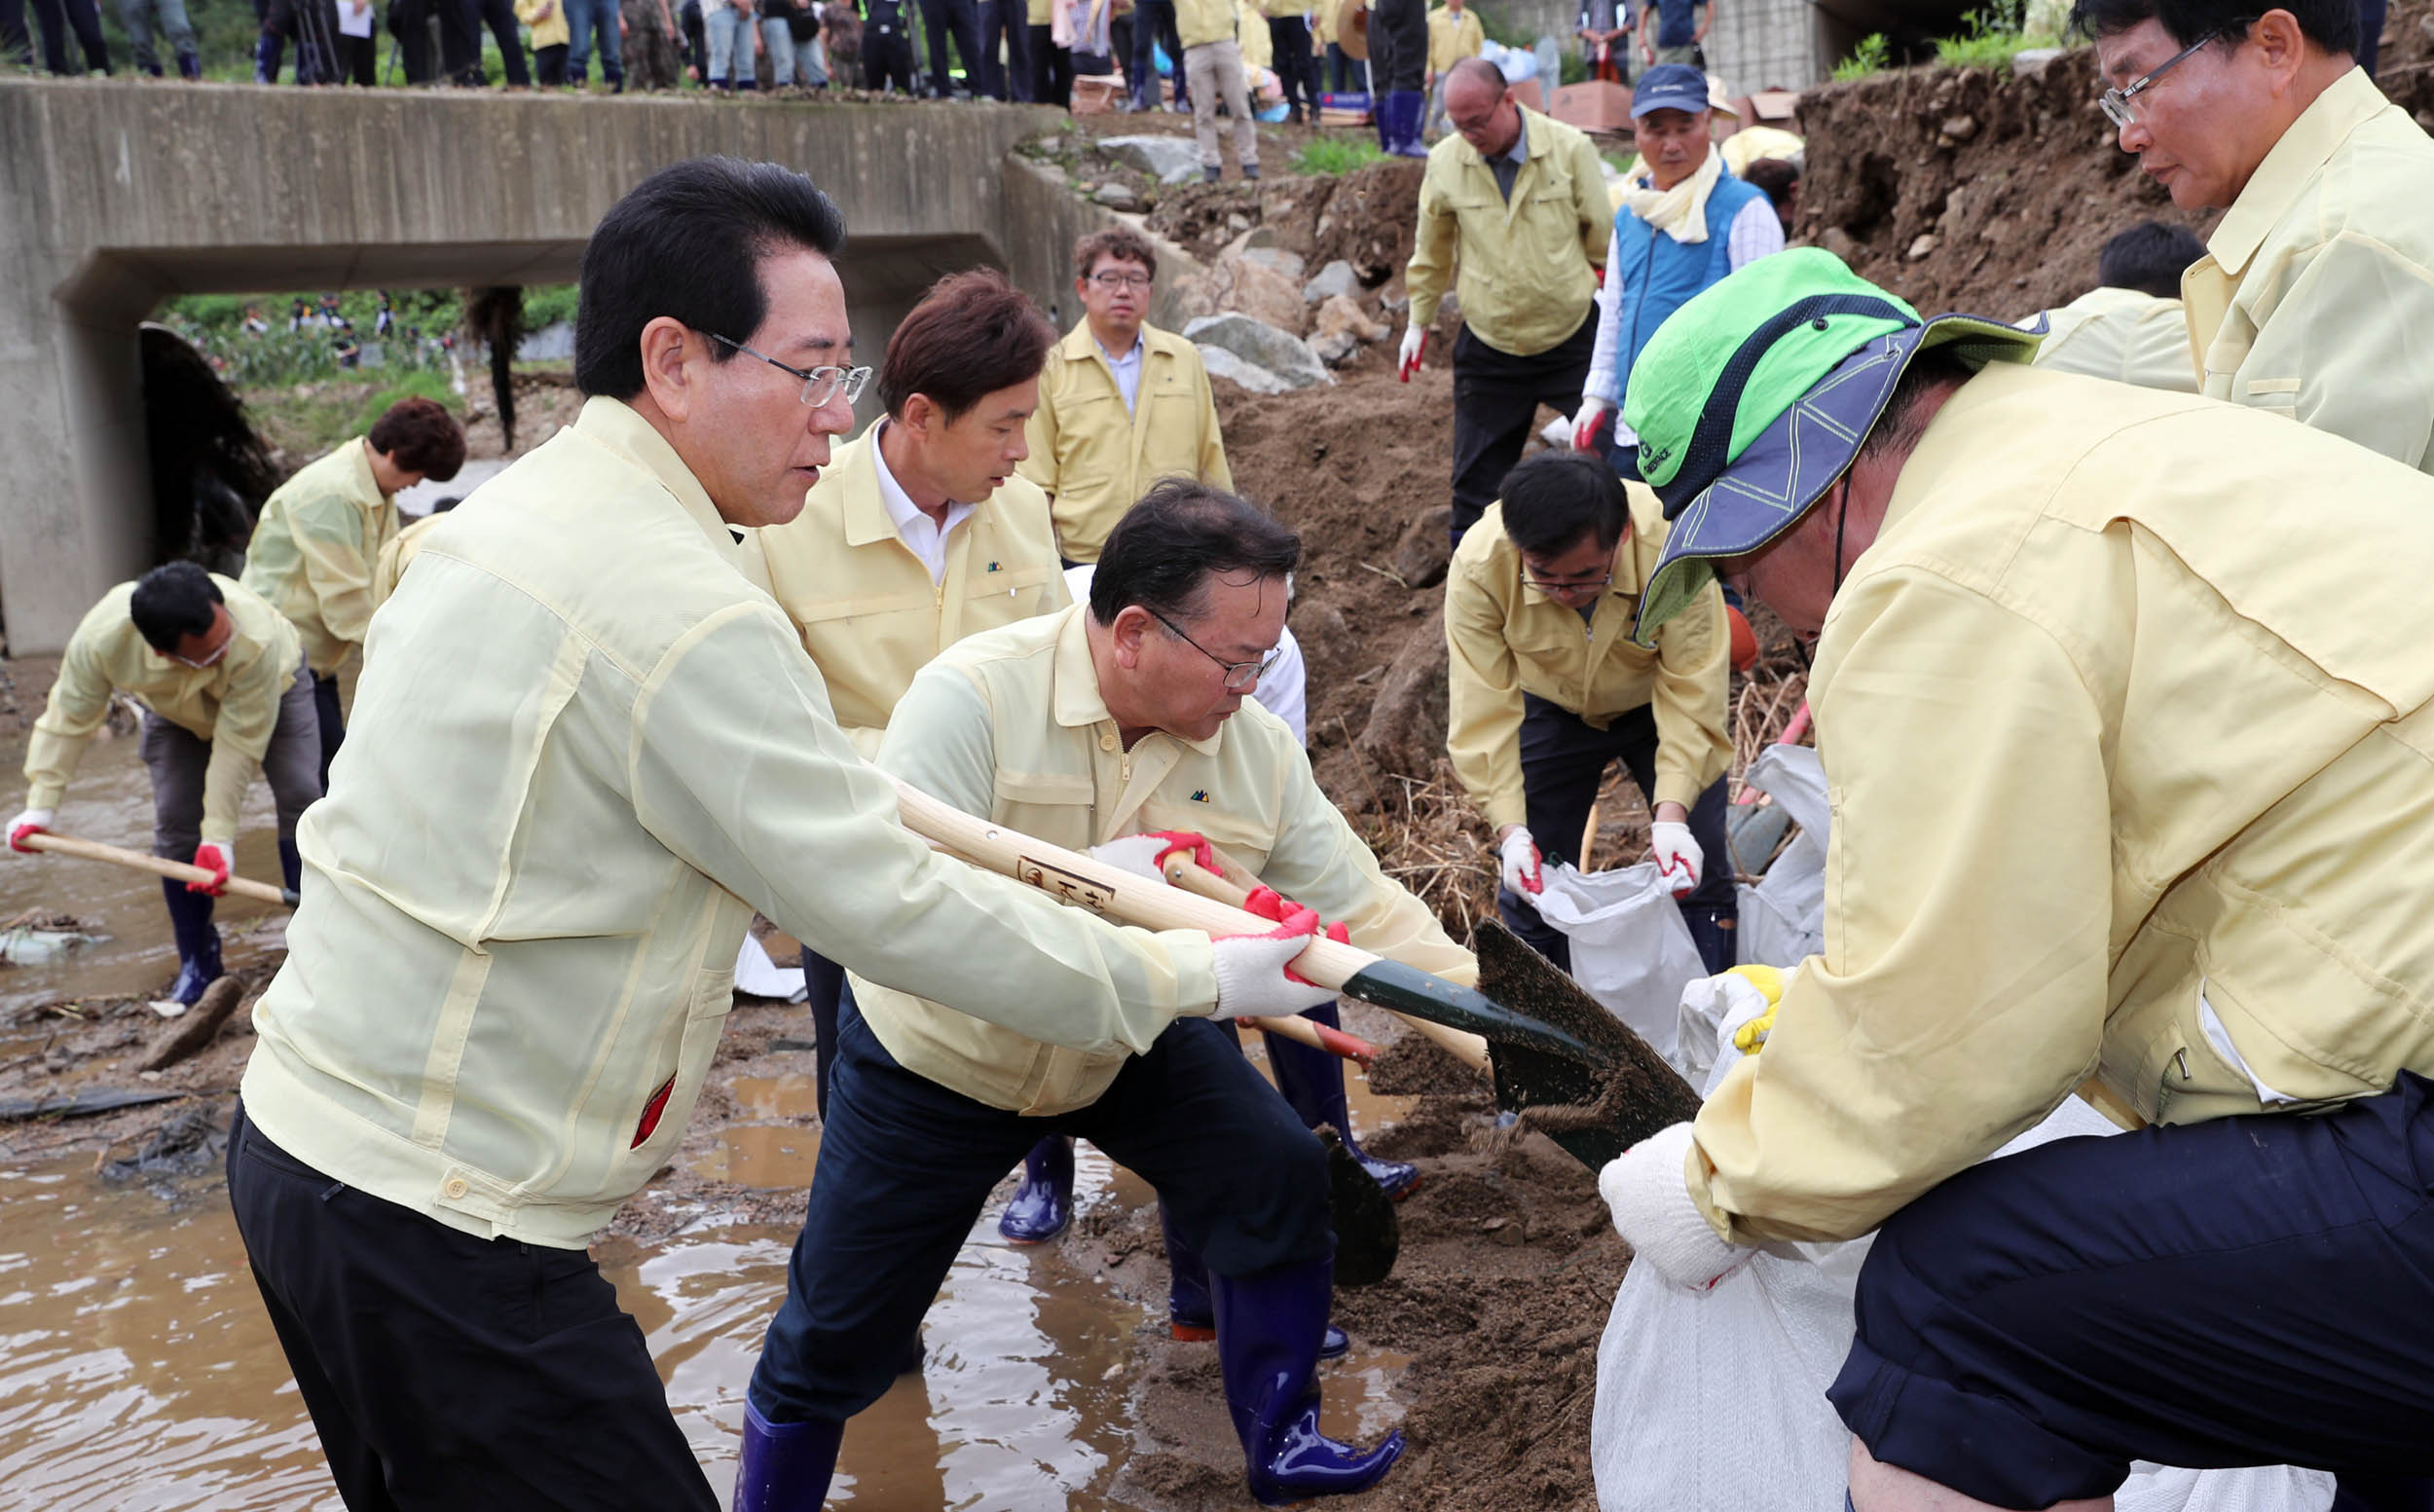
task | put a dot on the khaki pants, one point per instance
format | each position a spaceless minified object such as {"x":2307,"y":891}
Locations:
{"x":1214,"y":71}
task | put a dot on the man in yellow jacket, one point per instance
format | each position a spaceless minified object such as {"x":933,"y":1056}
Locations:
{"x":1454,"y":34}
{"x":588,"y":749}
{"x":1545,"y":689}
{"x":1518,"y":201}
{"x":1121,"y":403}
{"x":2317,"y":289}
{"x":314,"y":549}
{"x":2129,"y":327}
{"x":224,"y":687}
{"x":2125,"y":786}
{"x":1122,"y":727}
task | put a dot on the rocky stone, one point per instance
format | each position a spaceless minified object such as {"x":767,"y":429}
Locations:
{"x":1335,"y":349}
{"x":1406,"y":728}
{"x":2028,"y":62}
{"x":1279,"y":352}
{"x":1840,"y":243}
{"x":1420,"y":557}
{"x":1117,"y":197}
{"x":1236,"y":285}
{"x":1340,"y":316}
{"x":1921,"y":247}
{"x":1958,"y":128}
{"x":1171,"y":160}
{"x":1222,"y":363}
{"x":1337,"y":277}
{"x":1275,"y":259}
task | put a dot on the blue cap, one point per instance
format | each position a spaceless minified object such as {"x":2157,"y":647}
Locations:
{"x":1669,"y":87}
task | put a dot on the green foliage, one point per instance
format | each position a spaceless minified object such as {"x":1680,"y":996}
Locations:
{"x":216,"y":324}
{"x":416,"y":385}
{"x":1335,"y":156}
{"x":1873,"y":56}
{"x":550,"y":306}
{"x":1498,"y":26}
{"x":1571,"y":67}
{"x":1992,"y":37}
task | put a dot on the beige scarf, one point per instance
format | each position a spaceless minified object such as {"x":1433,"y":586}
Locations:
{"x":1681,"y":212}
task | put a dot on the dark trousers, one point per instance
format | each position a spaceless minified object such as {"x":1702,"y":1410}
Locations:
{"x":887,"y":61}
{"x":178,"y":760}
{"x":2248,"y":1291}
{"x":355,"y":58}
{"x":1051,"y":70}
{"x":1496,"y":397}
{"x":963,"y":18}
{"x":823,"y":988}
{"x":905,"y":1166}
{"x":1010,"y":77}
{"x":499,"y":16}
{"x":459,"y":44}
{"x":1398,"y":48}
{"x":1297,"y":68}
{"x":333,"y":725}
{"x":58,"y":21}
{"x":446,"y":1372}
{"x":1564,"y":759}
{"x":1154,"y":27}
{"x":1343,"y":74}
{"x":550,"y":65}
{"x":2371,"y":16}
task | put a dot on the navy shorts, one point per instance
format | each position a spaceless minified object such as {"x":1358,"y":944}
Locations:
{"x":2249,"y":1291}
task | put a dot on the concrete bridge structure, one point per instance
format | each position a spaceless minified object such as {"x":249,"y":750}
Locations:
{"x":114,"y":195}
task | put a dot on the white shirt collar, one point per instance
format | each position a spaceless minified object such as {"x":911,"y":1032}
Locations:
{"x":925,"y":539}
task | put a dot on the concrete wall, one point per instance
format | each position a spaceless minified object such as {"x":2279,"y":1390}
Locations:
{"x":114,"y":195}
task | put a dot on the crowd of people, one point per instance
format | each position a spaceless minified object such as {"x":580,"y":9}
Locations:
{"x":2125,"y":755}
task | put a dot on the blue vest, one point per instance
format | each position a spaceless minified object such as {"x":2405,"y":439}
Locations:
{"x":1660,"y":275}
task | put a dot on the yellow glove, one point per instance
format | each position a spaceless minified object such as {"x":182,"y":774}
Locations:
{"x":1769,"y":984}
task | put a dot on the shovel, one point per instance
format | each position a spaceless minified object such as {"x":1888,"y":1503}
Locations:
{"x":174,"y":871}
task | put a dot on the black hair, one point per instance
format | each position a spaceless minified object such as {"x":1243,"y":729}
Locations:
{"x":1180,"y":534}
{"x":687,"y":243}
{"x":1555,"y":497}
{"x":971,"y":335}
{"x":2331,"y":24}
{"x":171,"y":602}
{"x":2149,"y":257}
{"x":1905,"y":417}
{"x":1775,"y":177}
{"x":420,"y":437}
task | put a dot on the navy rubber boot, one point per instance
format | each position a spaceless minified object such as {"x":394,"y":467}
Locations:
{"x":198,"y":942}
{"x":267,"y":51}
{"x":1409,"y":105}
{"x":1312,"y":1083}
{"x":189,"y":66}
{"x":1043,"y":1204}
{"x":1269,"y":1327}
{"x":786,"y":1465}
{"x":1191,"y":1316}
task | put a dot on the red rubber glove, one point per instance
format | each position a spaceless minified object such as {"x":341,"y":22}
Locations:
{"x":34,"y":821}
{"x":210,"y":858}
{"x":1269,"y":904}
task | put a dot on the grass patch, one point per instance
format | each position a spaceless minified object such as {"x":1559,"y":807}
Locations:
{"x":1872,"y":55}
{"x":1336,"y":156}
{"x":1988,"y":43}
{"x":410,"y":386}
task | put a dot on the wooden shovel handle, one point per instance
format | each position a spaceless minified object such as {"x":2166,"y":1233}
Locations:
{"x":1184,"y":873}
{"x":1318,"y":1036}
{"x":137,"y":860}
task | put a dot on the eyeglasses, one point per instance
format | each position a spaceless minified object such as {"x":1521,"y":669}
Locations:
{"x":1241,"y":675}
{"x":821,"y":385}
{"x":1554,"y":585}
{"x":2117,"y":103}
{"x":217,"y":652}
{"x":1111,"y":281}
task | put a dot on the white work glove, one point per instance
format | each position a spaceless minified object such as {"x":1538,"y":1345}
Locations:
{"x":1254,"y":980}
{"x":1588,"y":422}
{"x":1678,"y":856}
{"x":34,"y":821}
{"x":1518,"y":864}
{"x":1145,"y":855}
{"x":1647,"y":1191}
{"x":1406,"y":361}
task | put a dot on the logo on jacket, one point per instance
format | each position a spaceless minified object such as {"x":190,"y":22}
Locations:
{"x":1199,"y":794}
{"x":992,"y":567}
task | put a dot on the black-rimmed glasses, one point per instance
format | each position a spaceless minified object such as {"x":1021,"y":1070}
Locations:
{"x":1241,"y":675}
{"x":820,"y":384}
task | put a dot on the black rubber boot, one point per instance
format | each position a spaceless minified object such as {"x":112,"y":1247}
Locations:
{"x":198,"y":942}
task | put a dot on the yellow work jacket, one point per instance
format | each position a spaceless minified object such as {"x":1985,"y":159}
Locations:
{"x":1452,"y":38}
{"x":1095,"y":458}
{"x":2317,"y":290}
{"x":391,"y":565}
{"x":1504,"y":639}
{"x":233,"y":703}
{"x":1200,"y":23}
{"x":1749,"y":144}
{"x":868,"y":613}
{"x":549,"y":21}
{"x":1528,"y":266}
{"x":1011,"y":726}
{"x":2125,"y":335}
{"x":314,"y":548}
{"x":2124,"y":785}
{"x":587,"y":749}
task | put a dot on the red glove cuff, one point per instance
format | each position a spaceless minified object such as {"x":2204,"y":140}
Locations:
{"x":1204,"y":854}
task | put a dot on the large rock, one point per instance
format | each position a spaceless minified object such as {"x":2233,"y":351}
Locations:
{"x":1222,"y":363}
{"x":1426,"y":548}
{"x":1262,"y":346}
{"x":1405,"y":730}
{"x":1337,"y":277}
{"x":1335,"y":349}
{"x":1340,"y":315}
{"x":1171,"y":160}
{"x":1277,"y":259}
{"x":1237,"y":283}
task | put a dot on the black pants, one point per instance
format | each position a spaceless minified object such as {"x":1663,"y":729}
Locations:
{"x":356,"y":57}
{"x":963,"y":18}
{"x":1343,"y":74}
{"x":333,"y":725}
{"x":1398,"y":45}
{"x":59,"y":19}
{"x":1496,"y":400}
{"x":499,"y":16}
{"x":905,"y":1166}
{"x":1051,"y":70}
{"x":1154,"y":27}
{"x":2248,"y":1291}
{"x":823,"y":988}
{"x":887,"y":61}
{"x":446,"y":1372}
{"x":459,"y":44}
{"x":1564,"y":760}
{"x":1297,"y":70}
{"x":550,"y":65}
{"x":1010,"y":77}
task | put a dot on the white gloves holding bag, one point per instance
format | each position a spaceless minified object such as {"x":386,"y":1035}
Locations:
{"x":1678,"y":856}
{"x":1518,"y":866}
{"x":1646,"y":1189}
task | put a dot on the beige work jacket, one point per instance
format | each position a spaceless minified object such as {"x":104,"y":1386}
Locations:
{"x":1529,"y":265}
{"x":1094,"y":457}
{"x":314,"y":548}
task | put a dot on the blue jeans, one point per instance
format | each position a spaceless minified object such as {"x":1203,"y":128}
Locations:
{"x":802,"y":63}
{"x":138,"y":14}
{"x":729,"y":32}
{"x":584,"y":19}
{"x":905,"y":1166}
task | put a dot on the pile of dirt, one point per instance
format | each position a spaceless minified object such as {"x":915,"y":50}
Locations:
{"x":1364,"y":217}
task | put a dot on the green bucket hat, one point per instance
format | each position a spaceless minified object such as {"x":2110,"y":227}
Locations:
{"x":1755,"y":396}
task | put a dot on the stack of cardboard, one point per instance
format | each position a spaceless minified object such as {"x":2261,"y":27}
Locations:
{"x":1596,"y":107}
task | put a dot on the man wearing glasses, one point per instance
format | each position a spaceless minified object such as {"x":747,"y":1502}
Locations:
{"x":588,"y":748}
{"x":1119,"y":727}
{"x":1121,"y":404}
{"x":1545,"y":688}
{"x":2317,"y":292}
{"x":223,"y":682}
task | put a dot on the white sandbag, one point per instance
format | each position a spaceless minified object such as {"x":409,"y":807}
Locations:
{"x":1783,"y":917}
{"x":1629,"y":947}
{"x":1715,"y":1401}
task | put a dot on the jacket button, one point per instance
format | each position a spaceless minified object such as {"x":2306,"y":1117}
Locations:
{"x":1107,"y":742}
{"x":455,"y":1187}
